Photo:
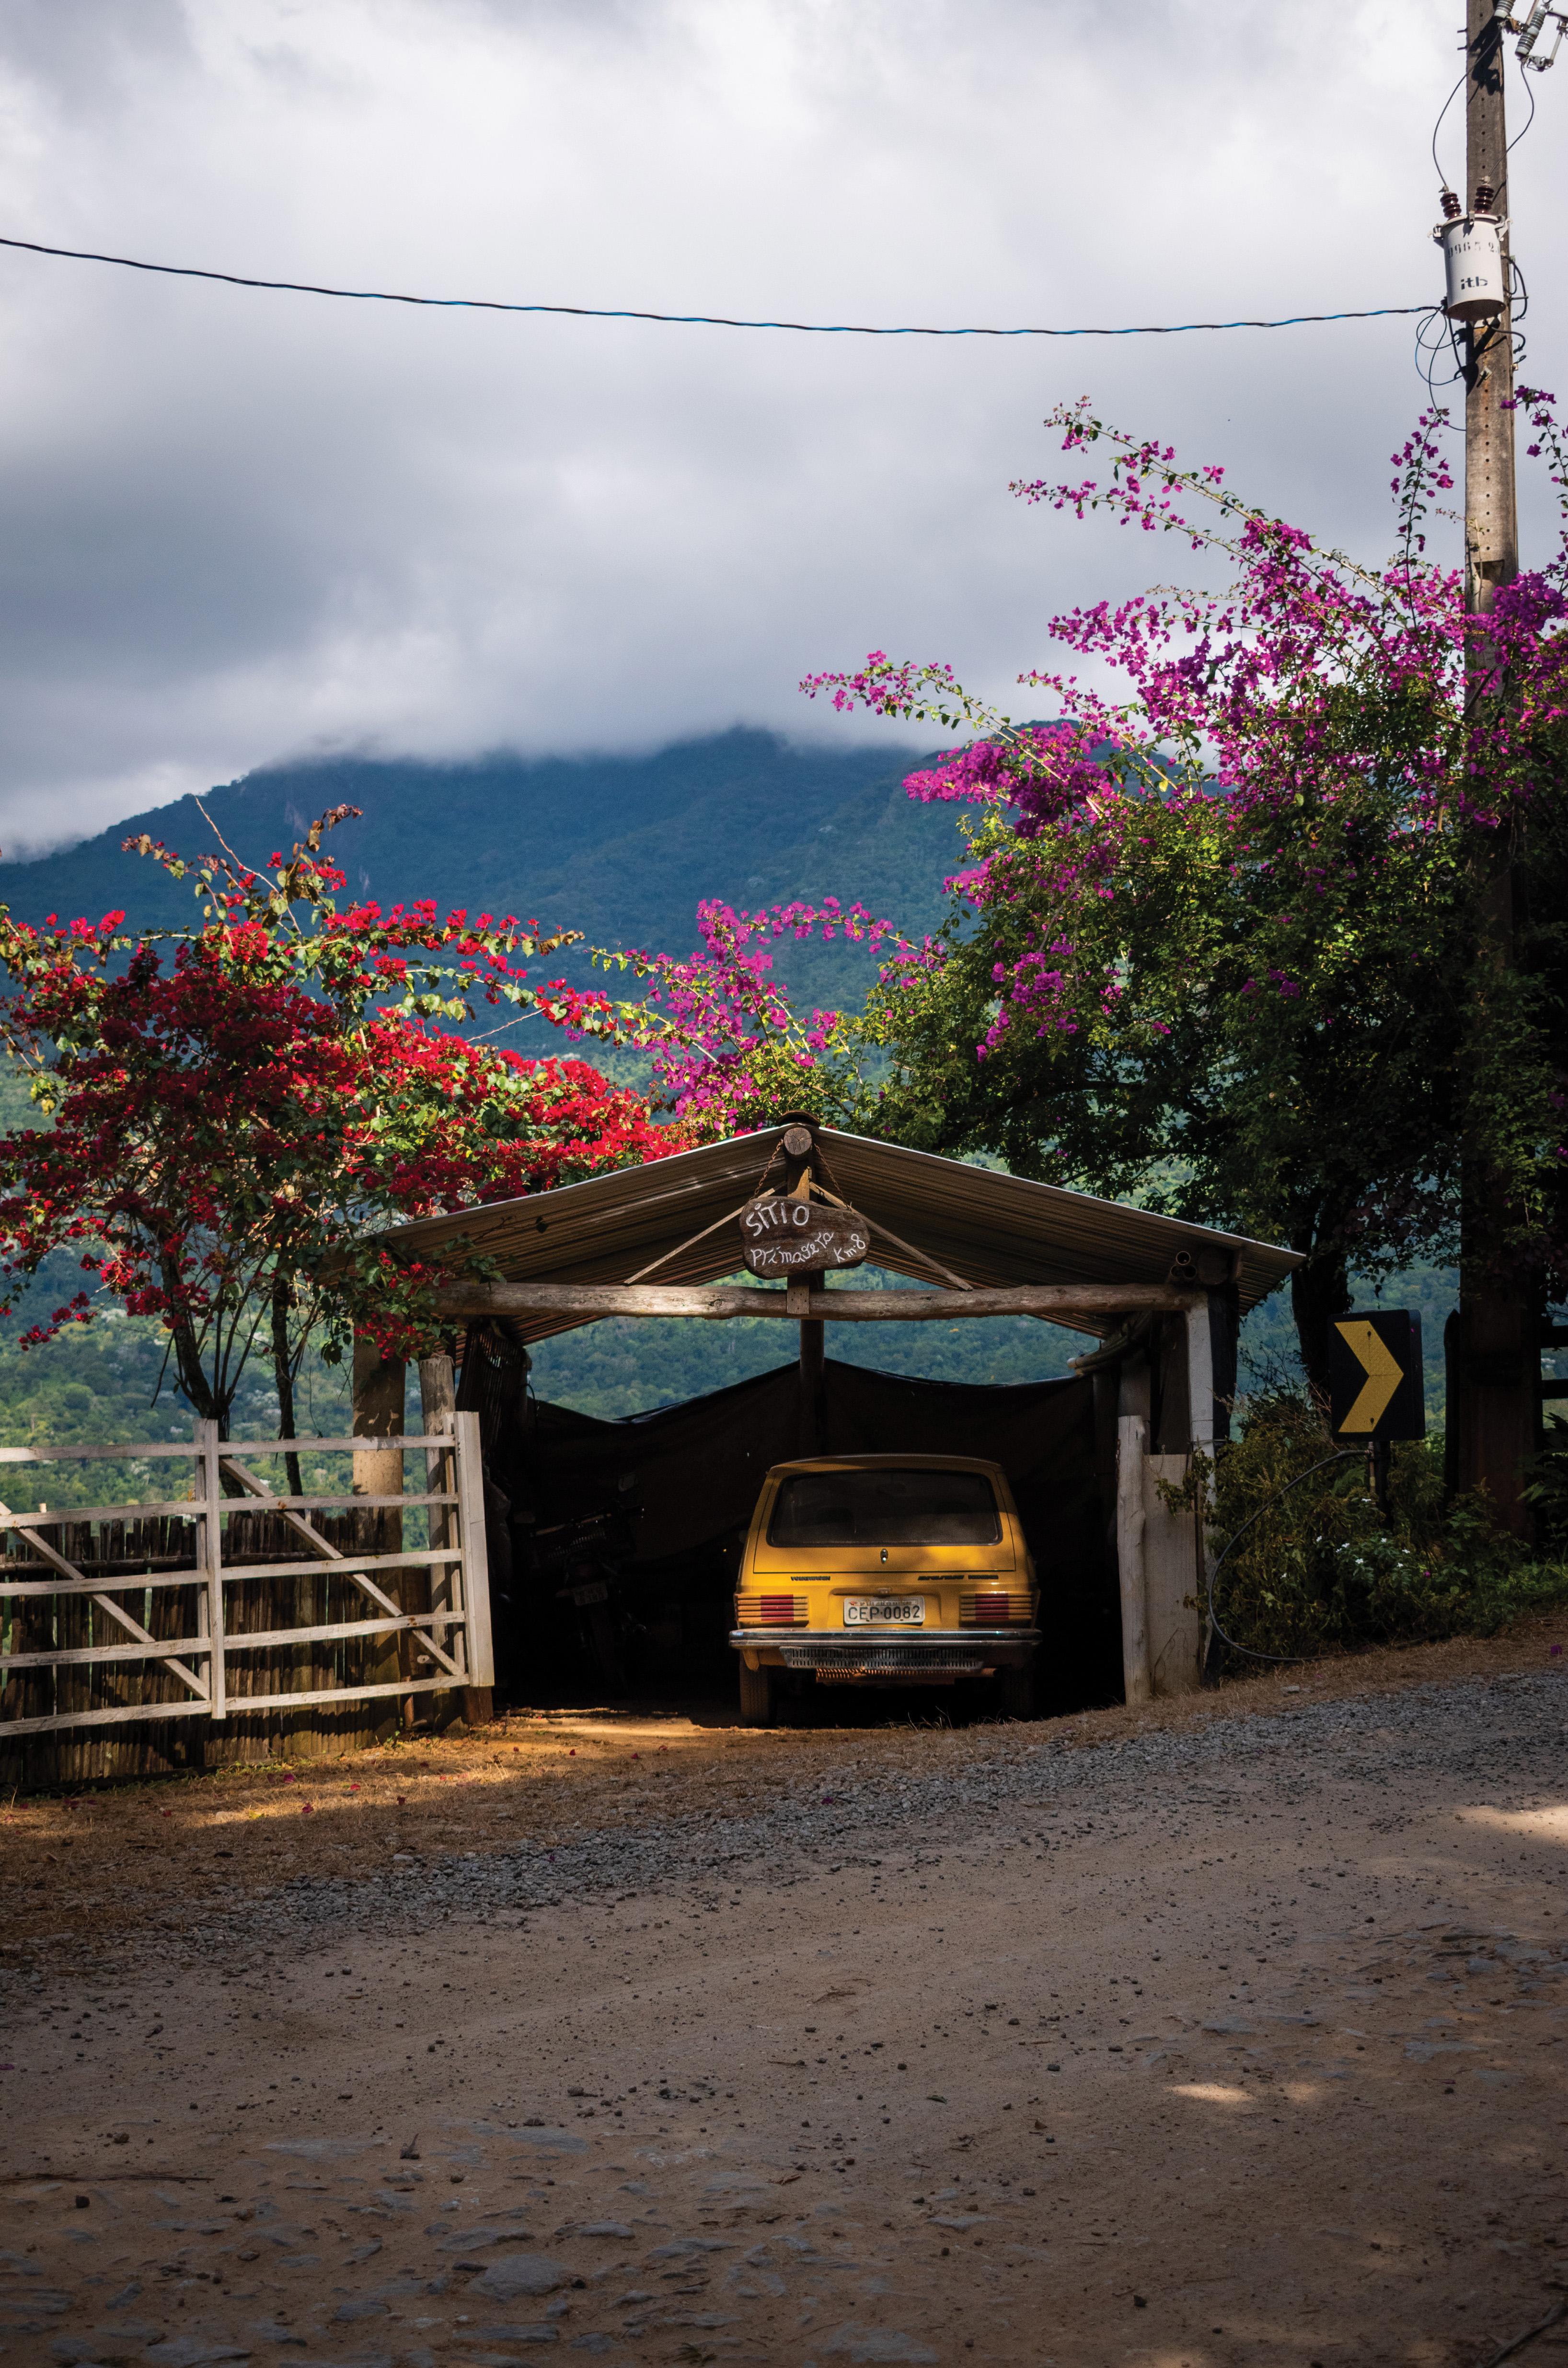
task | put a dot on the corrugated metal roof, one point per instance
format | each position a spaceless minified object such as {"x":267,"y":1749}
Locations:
{"x":988,"y":1228}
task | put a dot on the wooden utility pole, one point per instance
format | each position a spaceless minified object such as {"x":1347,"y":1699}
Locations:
{"x":1495,"y":1359}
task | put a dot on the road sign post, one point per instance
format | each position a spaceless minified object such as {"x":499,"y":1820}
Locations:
{"x":1377,"y":1390}
{"x":1375,"y":1381}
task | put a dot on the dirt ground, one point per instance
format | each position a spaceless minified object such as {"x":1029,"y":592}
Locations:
{"x":1212,"y":2054}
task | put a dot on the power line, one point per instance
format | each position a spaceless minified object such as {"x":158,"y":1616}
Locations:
{"x":680,"y":320}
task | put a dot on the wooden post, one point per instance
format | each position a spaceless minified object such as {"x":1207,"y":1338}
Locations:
{"x":813,"y":1362}
{"x":437,"y":1403}
{"x":377,"y":1471}
{"x":1203,"y":1419}
{"x":479,"y":1695}
{"x":209,"y":1497}
{"x":1131,"y":1445}
{"x":1175,"y":1581}
{"x":378,"y":1414}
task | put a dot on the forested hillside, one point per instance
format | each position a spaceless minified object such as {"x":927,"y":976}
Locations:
{"x":622,"y":847}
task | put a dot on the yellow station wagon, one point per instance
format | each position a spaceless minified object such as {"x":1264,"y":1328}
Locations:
{"x":886,"y":1570}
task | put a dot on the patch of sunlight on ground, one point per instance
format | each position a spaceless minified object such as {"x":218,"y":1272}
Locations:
{"x":1531,"y":1825}
{"x":1214,"y":2092}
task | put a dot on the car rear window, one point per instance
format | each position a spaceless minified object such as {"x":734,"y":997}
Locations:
{"x":885,"y":1508}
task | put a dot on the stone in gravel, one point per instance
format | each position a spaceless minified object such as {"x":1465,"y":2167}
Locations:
{"x":21,"y":2316}
{"x":325,"y":2149}
{"x":359,"y":2360}
{"x":191,"y":2352}
{"x":872,"y":2343}
{"x":130,"y":2331}
{"x":507,"y":2334}
{"x":360,"y":2310}
{"x":75,"y":2347}
{"x":604,"y":2228}
{"x":513,"y":2335}
{"x":520,"y":2273}
{"x":471,"y":2240}
{"x":352,"y":2360}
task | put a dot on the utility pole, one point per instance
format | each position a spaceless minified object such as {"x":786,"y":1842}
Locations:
{"x":1494,"y":1343}
{"x":1491,"y":516}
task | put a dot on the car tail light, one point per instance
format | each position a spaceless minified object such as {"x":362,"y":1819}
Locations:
{"x":770,"y":1611}
{"x":993,"y":1607}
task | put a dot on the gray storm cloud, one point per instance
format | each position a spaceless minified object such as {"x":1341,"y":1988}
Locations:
{"x":241,"y":526}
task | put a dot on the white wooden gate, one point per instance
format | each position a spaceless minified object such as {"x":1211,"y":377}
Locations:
{"x":451,"y":1636}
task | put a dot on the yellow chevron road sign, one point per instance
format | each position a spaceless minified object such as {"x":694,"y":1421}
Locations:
{"x":1375,"y":1383}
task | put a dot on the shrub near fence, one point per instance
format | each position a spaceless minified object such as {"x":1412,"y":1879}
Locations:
{"x":1321,"y":1570}
{"x":123,"y":1647}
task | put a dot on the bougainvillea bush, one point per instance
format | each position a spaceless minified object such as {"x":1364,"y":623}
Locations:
{"x":1230,"y":942}
{"x":727,"y":1048}
{"x":236,"y":1111}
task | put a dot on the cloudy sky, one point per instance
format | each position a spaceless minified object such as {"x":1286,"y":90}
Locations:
{"x":239,"y":527}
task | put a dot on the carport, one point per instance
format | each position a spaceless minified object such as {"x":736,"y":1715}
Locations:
{"x":1159,"y":1304}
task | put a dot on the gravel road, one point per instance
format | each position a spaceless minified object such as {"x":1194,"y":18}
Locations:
{"x":1230,"y":2033}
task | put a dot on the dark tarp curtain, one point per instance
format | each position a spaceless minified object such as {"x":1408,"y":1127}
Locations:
{"x":696,"y":1470}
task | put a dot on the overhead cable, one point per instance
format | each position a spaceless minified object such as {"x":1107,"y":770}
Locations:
{"x":679,"y":320}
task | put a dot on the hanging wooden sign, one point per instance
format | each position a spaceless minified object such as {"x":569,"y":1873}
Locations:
{"x":782,"y":1235}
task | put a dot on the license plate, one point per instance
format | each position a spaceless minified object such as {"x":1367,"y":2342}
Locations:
{"x":884,"y":1611}
{"x":596,"y":1591}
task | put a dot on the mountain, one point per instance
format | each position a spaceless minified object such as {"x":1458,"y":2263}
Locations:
{"x":621,"y":848}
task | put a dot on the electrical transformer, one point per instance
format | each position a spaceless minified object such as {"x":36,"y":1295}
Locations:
{"x":1472,"y":252}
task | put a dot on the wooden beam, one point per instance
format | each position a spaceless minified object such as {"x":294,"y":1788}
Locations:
{"x":716,"y":1301}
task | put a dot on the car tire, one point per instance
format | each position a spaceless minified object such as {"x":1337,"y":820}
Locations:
{"x":1016,"y":1687}
{"x":757,"y":1696}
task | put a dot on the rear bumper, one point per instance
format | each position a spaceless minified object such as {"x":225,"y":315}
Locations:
{"x":875,"y":1655}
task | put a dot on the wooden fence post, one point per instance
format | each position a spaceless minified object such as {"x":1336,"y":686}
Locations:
{"x":209,"y":1497}
{"x":377,"y":1471}
{"x":479,"y":1698}
{"x":437,"y":1402}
